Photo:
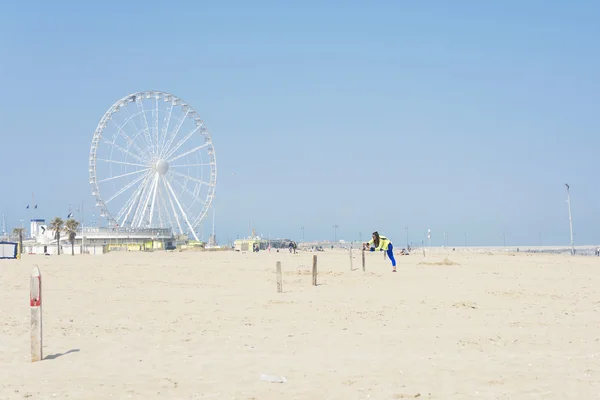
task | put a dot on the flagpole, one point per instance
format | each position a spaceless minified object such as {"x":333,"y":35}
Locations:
{"x":32,"y":207}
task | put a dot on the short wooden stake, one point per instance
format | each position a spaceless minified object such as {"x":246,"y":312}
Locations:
{"x":363,"y":260}
{"x":35,"y":303}
{"x":314,"y":271}
{"x":351,"y":268}
{"x":279,"y":279}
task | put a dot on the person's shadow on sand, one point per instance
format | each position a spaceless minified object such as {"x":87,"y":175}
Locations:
{"x":56,"y":355}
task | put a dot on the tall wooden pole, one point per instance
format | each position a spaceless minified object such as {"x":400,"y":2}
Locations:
{"x":363,"y":260}
{"x":279,"y":278}
{"x":314,"y":270}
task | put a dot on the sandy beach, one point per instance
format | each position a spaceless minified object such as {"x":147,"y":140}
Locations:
{"x":206,"y":325}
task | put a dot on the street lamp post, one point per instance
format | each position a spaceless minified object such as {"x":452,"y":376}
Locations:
{"x":570,"y":219}
{"x":335,"y":233}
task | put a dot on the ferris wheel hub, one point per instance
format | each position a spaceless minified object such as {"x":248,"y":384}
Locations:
{"x":162,"y":167}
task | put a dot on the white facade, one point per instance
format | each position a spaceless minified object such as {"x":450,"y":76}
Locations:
{"x":65,"y":248}
{"x":96,"y":240}
{"x":35,"y":227}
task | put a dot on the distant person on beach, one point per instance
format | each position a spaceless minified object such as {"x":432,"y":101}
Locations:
{"x":292,"y":246}
{"x":382,"y":243}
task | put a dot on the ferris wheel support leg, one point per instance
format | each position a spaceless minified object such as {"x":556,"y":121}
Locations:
{"x":153,"y":199}
{"x":143,"y":210}
{"x":135,"y":199}
{"x":182,"y":212}
{"x":172,"y":206}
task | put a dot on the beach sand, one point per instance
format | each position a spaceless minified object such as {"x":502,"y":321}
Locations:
{"x":186,"y":325}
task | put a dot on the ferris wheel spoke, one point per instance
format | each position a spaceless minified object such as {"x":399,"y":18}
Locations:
{"x":165,"y":149}
{"x":165,"y":208}
{"x":139,"y":209}
{"x":148,"y":196}
{"x":185,"y":217}
{"x":133,"y":201}
{"x":186,"y":211}
{"x":195,"y":194}
{"x":160,"y":205}
{"x":155,"y":121}
{"x":124,"y":151}
{"x":123,"y":175}
{"x":123,"y":163}
{"x":126,"y":187}
{"x":153,"y":200}
{"x":190,"y":178}
{"x":200,"y":217}
{"x":175,"y":214}
{"x":169,"y":152}
{"x":130,"y":141}
{"x":188,"y":152}
{"x":139,"y":131}
{"x":136,"y":197}
{"x":140,"y":105}
{"x":189,"y":165}
{"x":165,"y":128}
{"x":121,"y":216}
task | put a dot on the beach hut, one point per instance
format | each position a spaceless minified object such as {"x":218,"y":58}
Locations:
{"x":245,"y":244}
{"x":8,"y":250}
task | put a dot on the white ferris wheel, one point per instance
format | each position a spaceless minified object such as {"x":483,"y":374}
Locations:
{"x":152,"y":164}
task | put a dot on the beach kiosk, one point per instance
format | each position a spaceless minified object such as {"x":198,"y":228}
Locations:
{"x":9,"y":250}
{"x":246,"y":244}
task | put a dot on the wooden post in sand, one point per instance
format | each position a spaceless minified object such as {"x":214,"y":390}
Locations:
{"x":350,"y":252}
{"x":35,"y":303}
{"x":279,"y":279}
{"x":363,"y":260}
{"x":314,"y":271}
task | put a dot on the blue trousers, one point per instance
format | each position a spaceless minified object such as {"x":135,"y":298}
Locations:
{"x":390,"y":254}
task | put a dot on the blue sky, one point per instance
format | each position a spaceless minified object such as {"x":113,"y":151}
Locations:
{"x":463,"y":116}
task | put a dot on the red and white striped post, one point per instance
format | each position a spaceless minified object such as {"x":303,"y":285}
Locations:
{"x":35,"y":303}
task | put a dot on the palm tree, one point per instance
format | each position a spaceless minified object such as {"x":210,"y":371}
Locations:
{"x":18,"y":232}
{"x":57,"y":225}
{"x":71,"y":231}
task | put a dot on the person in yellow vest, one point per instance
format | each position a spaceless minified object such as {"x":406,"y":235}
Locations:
{"x":381,"y":243}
